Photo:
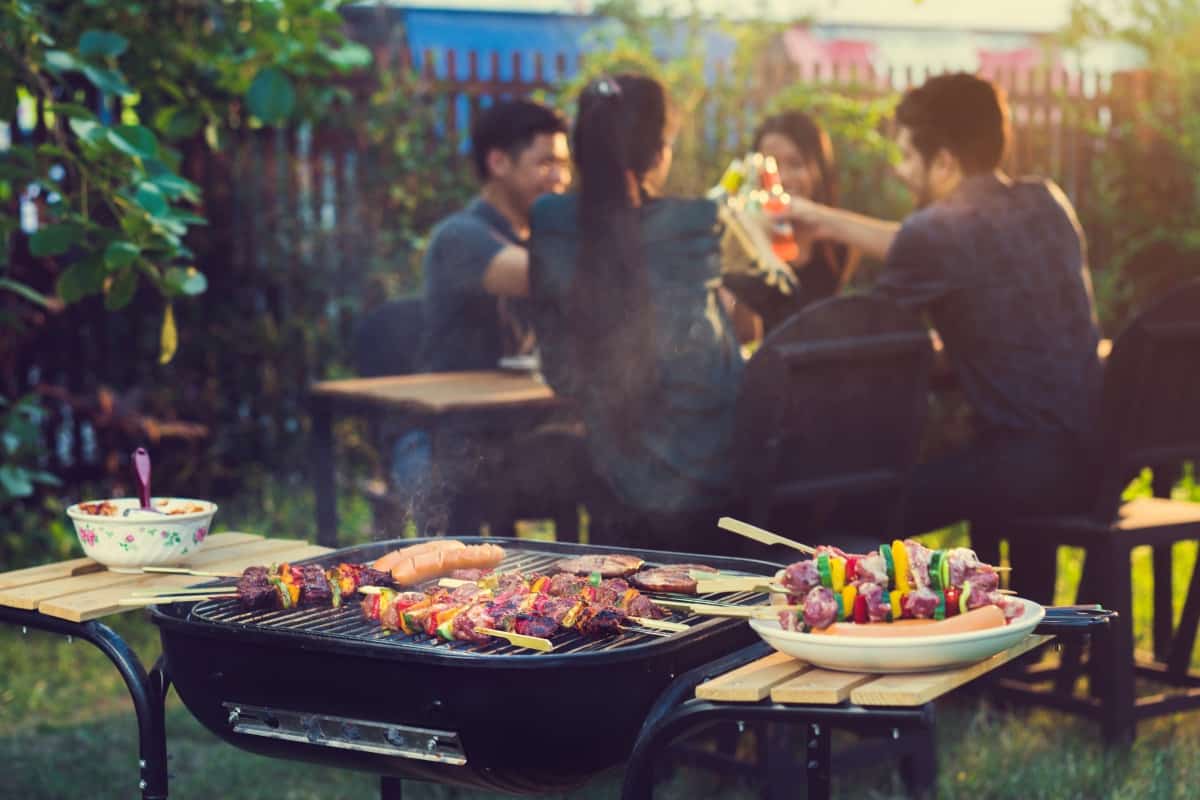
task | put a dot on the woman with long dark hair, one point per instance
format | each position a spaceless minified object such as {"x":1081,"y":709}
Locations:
{"x":803,"y":152}
{"x":631,"y":327}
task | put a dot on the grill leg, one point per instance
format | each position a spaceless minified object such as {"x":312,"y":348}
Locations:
{"x":390,"y":788}
{"x":147,"y":691}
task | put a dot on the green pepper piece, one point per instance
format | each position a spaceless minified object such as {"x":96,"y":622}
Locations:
{"x":886,"y":550}
{"x":336,"y":592}
{"x":841,"y":607}
{"x":935,"y":571}
{"x":446,"y":630}
{"x":962,"y":598}
{"x":945,"y":570}
{"x":940,"y":611}
{"x":823,"y":570}
{"x":595,"y":578}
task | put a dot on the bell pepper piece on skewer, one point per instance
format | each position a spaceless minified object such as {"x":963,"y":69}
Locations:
{"x":900,"y":565}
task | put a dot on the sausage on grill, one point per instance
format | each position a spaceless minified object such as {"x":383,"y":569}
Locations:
{"x":669,"y":578}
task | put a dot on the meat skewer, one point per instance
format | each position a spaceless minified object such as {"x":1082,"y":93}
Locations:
{"x":283,"y":586}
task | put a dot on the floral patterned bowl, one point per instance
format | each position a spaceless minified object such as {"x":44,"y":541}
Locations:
{"x":141,"y":539}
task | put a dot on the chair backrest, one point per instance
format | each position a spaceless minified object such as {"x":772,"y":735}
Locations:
{"x":387,"y":341}
{"x":1151,"y":403}
{"x":832,"y":408}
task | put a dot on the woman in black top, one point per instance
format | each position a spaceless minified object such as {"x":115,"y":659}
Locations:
{"x":804,"y":154}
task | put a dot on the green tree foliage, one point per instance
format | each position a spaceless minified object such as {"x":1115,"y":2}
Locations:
{"x":1147,"y":177}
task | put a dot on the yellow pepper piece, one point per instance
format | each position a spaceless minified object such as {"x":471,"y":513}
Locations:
{"x":894,"y":598}
{"x":572,"y":616}
{"x":848,"y":594}
{"x":837,"y":573}
{"x":900,"y":560}
{"x":539,"y":585}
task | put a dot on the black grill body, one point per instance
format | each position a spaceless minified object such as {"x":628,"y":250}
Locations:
{"x":326,"y":686}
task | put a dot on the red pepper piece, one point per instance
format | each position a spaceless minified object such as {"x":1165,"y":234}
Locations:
{"x":851,"y":569}
{"x":860,"y":610}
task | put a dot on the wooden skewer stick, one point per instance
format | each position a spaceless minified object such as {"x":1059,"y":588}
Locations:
{"x":751,"y":584}
{"x":170,"y":598}
{"x":741,"y":612}
{"x":520,"y":639}
{"x":185,"y":571}
{"x":660,"y":624}
{"x":231,"y":590}
{"x":759,"y":535}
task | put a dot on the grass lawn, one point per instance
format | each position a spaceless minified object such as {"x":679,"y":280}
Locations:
{"x":67,"y":730}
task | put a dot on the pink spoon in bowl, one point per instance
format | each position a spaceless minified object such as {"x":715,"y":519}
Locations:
{"x":141,"y":468}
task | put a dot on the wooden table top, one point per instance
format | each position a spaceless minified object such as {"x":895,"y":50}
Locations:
{"x":439,"y":392}
{"x":81,"y":589}
{"x":789,"y":681}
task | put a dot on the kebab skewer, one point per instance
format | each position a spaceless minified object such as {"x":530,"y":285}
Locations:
{"x":281,"y":587}
{"x":538,"y":606}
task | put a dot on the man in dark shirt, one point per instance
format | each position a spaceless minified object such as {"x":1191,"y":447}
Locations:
{"x":476,"y":274}
{"x":999,"y":266}
{"x":476,"y":265}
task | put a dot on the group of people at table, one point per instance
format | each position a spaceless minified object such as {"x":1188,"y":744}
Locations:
{"x":638,"y":312}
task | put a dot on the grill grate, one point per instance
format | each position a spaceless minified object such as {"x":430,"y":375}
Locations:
{"x":348,"y":623}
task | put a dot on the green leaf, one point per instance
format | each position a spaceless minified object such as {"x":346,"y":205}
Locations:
{"x":39,"y":476}
{"x":350,"y":56}
{"x":151,"y":198}
{"x":168,"y":340}
{"x":271,"y":96}
{"x":81,"y":279}
{"x":54,"y":240}
{"x":72,"y":110}
{"x":15,"y":481}
{"x":175,"y":187}
{"x":120,"y":254}
{"x":190,"y":281}
{"x":134,"y":140}
{"x":88,"y":131}
{"x":24,"y":291}
{"x":60,"y":61}
{"x":102,"y":43}
{"x":175,"y":122}
{"x":120,"y":289}
{"x":107,"y":80}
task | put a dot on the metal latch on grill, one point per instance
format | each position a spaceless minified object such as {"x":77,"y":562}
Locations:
{"x":368,"y":736}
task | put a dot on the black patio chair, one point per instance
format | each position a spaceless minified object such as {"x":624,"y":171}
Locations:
{"x":1149,"y":419}
{"x":831,"y":413}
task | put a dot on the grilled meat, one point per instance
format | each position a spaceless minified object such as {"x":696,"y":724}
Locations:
{"x":600,"y":621}
{"x":670,"y":578}
{"x":609,"y":566}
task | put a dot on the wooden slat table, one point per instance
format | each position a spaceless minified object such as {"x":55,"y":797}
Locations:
{"x":759,"y":684}
{"x":490,"y":399}
{"x":70,"y":597}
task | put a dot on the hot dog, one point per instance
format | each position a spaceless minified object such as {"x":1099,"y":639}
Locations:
{"x":423,"y":566}
{"x":385,"y":562}
{"x":977,"y":619}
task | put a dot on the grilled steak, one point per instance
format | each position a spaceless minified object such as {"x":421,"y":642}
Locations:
{"x":670,"y":578}
{"x":615,"y":566}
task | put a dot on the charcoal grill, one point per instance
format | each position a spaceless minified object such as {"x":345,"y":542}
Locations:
{"x":325,"y":685}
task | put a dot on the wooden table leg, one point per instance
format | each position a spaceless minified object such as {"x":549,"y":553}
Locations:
{"x":324,"y":472}
{"x":1118,"y":720}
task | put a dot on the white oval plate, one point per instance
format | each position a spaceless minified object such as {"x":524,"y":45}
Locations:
{"x":908,"y":654}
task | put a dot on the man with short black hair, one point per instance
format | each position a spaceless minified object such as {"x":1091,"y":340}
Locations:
{"x":476,"y":260}
{"x":476,"y":272}
{"x":999,"y":266}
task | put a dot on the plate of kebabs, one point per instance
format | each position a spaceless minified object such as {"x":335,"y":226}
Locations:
{"x":902,"y":608}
